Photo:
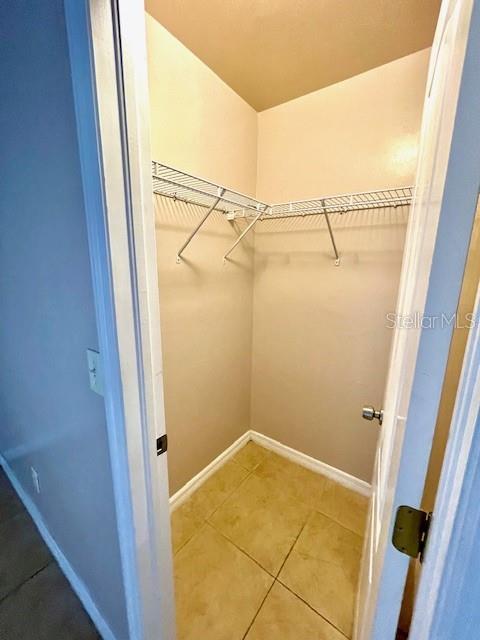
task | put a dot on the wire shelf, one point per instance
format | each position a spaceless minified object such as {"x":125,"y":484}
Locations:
{"x":343,"y":203}
{"x":185,"y":187}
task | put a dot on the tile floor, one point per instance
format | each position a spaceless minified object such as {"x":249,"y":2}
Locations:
{"x":266,"y":549}
{"x":36,"y":601}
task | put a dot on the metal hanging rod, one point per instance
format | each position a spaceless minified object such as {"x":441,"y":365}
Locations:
{"x":171,"y":183}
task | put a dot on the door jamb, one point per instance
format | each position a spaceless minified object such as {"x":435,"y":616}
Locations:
{"x":113,"y":147}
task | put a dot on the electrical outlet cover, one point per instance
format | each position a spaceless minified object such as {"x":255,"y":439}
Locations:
{"x":35,"y":480}
{"x":95,"y":371}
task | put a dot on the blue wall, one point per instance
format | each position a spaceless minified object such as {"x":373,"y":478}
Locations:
{"x":49,"y":418}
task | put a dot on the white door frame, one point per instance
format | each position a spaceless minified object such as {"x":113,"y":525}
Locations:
{"x":115,"y":164}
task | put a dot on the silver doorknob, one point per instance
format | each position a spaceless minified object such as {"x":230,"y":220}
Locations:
{"x":370,"y":413}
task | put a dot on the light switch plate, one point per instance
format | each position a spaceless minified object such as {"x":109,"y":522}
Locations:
{"x":95,"y":371}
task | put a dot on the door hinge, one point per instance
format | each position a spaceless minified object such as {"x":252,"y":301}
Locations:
{"x":410,"y":531}
{"x":162,"y":444}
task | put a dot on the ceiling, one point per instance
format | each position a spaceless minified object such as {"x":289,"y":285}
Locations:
{"x":271,"y":51}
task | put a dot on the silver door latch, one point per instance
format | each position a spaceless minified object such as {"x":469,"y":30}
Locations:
{"x":370,"y":413}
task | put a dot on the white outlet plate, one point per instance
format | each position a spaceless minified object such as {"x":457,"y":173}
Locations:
{"x":35,"y":480}
{"x":95,"y":371}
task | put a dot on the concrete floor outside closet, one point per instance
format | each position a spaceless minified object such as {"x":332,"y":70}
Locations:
{"x":36,"y":601}
{"x":267,"y":549}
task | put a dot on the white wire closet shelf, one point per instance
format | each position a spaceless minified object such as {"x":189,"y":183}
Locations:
{"x":185,"y":187}
{"x":172,"y":183}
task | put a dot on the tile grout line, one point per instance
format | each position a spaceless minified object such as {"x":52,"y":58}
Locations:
{"x":311,"y":509}
{"x":277,"y":579}
{"x":312,"y":608}
{"x":340,"y":524}
{"x":293,"y":545}
{"x":243,"y":466}
{"x":229,"y":495}
{"x":253,"y":472}
{"x":182,"y":546}
{"x":249,"y":474}
{"x":327,"y":515}
{"x":206,"y":520}
{"x":212,"y":526}
{"x":274,"y":578}
{"x":254,"y":560}
{"x":258,"y":610}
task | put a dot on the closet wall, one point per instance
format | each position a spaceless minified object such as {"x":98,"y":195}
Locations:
{"x":320,"y":341}
{"x":199,"y":125}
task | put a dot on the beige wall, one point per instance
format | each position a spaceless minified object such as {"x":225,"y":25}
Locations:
{"x":200,"y":125}
{"x":320,"y":342}
{"x":356,"y":135}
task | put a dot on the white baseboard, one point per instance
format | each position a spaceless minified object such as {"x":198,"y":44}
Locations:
{"x":75,"y":582}
{"x":192,"y":485}
{"x":343,"y":478}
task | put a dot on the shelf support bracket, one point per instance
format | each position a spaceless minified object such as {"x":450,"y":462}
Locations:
{"x":221,"y":191}
{"x":244,"y":233}
{"x":327,"y":218}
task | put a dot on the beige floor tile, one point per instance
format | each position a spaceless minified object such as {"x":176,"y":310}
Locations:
{"x":300,"y":483}
{"x":283,"y":616}
{"x":323,"y":570}
{"x":185,"y":522}
{"x":218,"y":487}
{"x":190,"y":515}
{"x":263,"y":520}
{"x":345,"y":506}
{"x":218,"y":588}
{"x":250,"y":456}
